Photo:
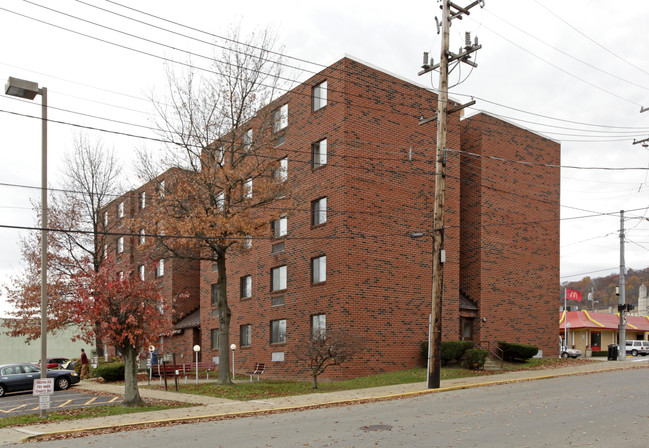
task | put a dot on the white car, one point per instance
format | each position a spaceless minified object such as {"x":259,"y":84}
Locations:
{"x":570,"y":352}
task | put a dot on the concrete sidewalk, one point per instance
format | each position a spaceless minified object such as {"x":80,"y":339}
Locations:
{"x":216,"y":407}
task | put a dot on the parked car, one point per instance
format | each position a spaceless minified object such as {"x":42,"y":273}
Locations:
{"x":57,"y":363}
{"x":17,"y":377}
{"x":567,"y":352}
{"x":636,"y":348}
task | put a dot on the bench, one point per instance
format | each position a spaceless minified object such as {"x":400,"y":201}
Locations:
{"x":164,"y":370}
{"x":183,"y":369}
{"x":260,"y":367}
{"x":190,"y":369}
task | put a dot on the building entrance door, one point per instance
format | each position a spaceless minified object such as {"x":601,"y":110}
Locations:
{"x":466,"y":329}
{"x":596,"y":341}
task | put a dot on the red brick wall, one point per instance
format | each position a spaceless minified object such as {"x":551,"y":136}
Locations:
{"x":510,"y":231}
{"x":180,"y":282}
{"x":379,"y":189}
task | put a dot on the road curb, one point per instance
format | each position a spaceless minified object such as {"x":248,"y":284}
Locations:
{"x":238,"y":414}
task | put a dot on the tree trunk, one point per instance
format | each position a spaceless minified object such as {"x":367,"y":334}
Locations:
{"x":131,"y":391}
{"x":315,"y":381}
{"x":224,"y":324}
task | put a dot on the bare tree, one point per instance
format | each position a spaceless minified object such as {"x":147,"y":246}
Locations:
{"x":323,"y":349}
{"x":91,"y":176}
{"x":223,"y":125}
{"x":75,"y":244}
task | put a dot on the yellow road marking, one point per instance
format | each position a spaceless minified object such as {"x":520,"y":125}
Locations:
{"x":63,"y":404}
{"x":114,"y":399}
{"x":14,"y":409}
{"x":90,"y":401}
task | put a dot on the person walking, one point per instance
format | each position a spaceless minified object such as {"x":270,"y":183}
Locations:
{"x":84,"y":364}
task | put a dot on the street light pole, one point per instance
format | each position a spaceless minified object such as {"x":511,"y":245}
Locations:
{"x":28,"y":90}
{"x":197,"y":348}
{"x":233,"y":347}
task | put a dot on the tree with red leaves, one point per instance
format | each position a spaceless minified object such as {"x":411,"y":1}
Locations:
{"x":130,"y":313}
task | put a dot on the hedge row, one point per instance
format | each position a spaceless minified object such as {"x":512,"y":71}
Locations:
{"x":474,"y":358}
{"x":111,"y":371}
{"x":517,"y":352}
{"x":451,"y":350}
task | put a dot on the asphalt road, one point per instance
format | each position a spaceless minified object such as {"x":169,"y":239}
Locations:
{"x":602,"y":410}
{"x":23,"y":403}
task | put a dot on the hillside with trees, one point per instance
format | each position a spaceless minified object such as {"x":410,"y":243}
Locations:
{"x":603,"y":289}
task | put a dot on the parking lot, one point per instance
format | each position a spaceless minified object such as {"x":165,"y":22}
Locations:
{"x":23,"y":403}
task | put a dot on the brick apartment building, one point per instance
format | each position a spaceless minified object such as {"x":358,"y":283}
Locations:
{"x":179,"y":279}
{"x":364,"y":174}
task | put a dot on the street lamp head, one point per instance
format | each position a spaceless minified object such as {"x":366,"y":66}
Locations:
{"x":417,"y":234}
{"x":197,"y":348}
{"x":233,"y":347}
{"x":21,"y":88}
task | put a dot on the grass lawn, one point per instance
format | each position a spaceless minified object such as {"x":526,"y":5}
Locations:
{"x":256,"y":390}
{"x":79,"y":413}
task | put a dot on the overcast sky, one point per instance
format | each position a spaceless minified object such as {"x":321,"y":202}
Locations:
{"x":576,"y":72}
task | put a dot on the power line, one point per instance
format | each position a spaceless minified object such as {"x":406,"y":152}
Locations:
{"x":567,"y":54}
{"x":561,"y":69}
{"x":591,"y":39}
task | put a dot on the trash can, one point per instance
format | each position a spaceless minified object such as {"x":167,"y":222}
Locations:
{"x":612,"y":352}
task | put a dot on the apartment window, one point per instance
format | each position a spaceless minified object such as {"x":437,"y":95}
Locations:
{"x":277,"y":248}
{"x":120,"y":275}
{"x":214,"y":338}
{"x":160,"y":269}
{"x":245,"y":339}
{"x":219,"y":155}
{"x":318,"y":325}
{"x":142,"y":238}
{"x":105,"y":250}
{"x":319,"y":151}
{"x":247,"y":189}
{"x":215,"y":265}
{"x":281,"y":172}
{"x":319,"y":96}
{"x":247,"y":139}
{"x":142,"y":200}
{"x":278,"y":331}
{"x":247,"y":242}
{"x":280,"y":227}
{"x":246,"y":286}
{"x":105,"y":218}
{"x":120,"y":244}
{"x":278,"y":278}
{"x":280,"y":118}
{"x":319,"y":269}
{"x":215,"y":293}
{"x":161,"y":189}
{"x":220,"y":201}
{"x":140,"y":270}
{"x":319,"y":211}
{"x":120,"y":210}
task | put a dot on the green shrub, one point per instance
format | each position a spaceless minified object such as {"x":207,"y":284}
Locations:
{"x":451,"y":350}
{"x":600,"y":353}
{"x":517,"y":352}
{"x":474,"y":358}
{"x":111,"y":372}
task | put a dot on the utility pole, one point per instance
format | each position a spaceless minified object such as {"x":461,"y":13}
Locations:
{"x":622,"y":307}
{"x":449,"y":11}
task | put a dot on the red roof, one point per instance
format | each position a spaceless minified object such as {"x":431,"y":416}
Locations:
{"x":606,"y":321}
